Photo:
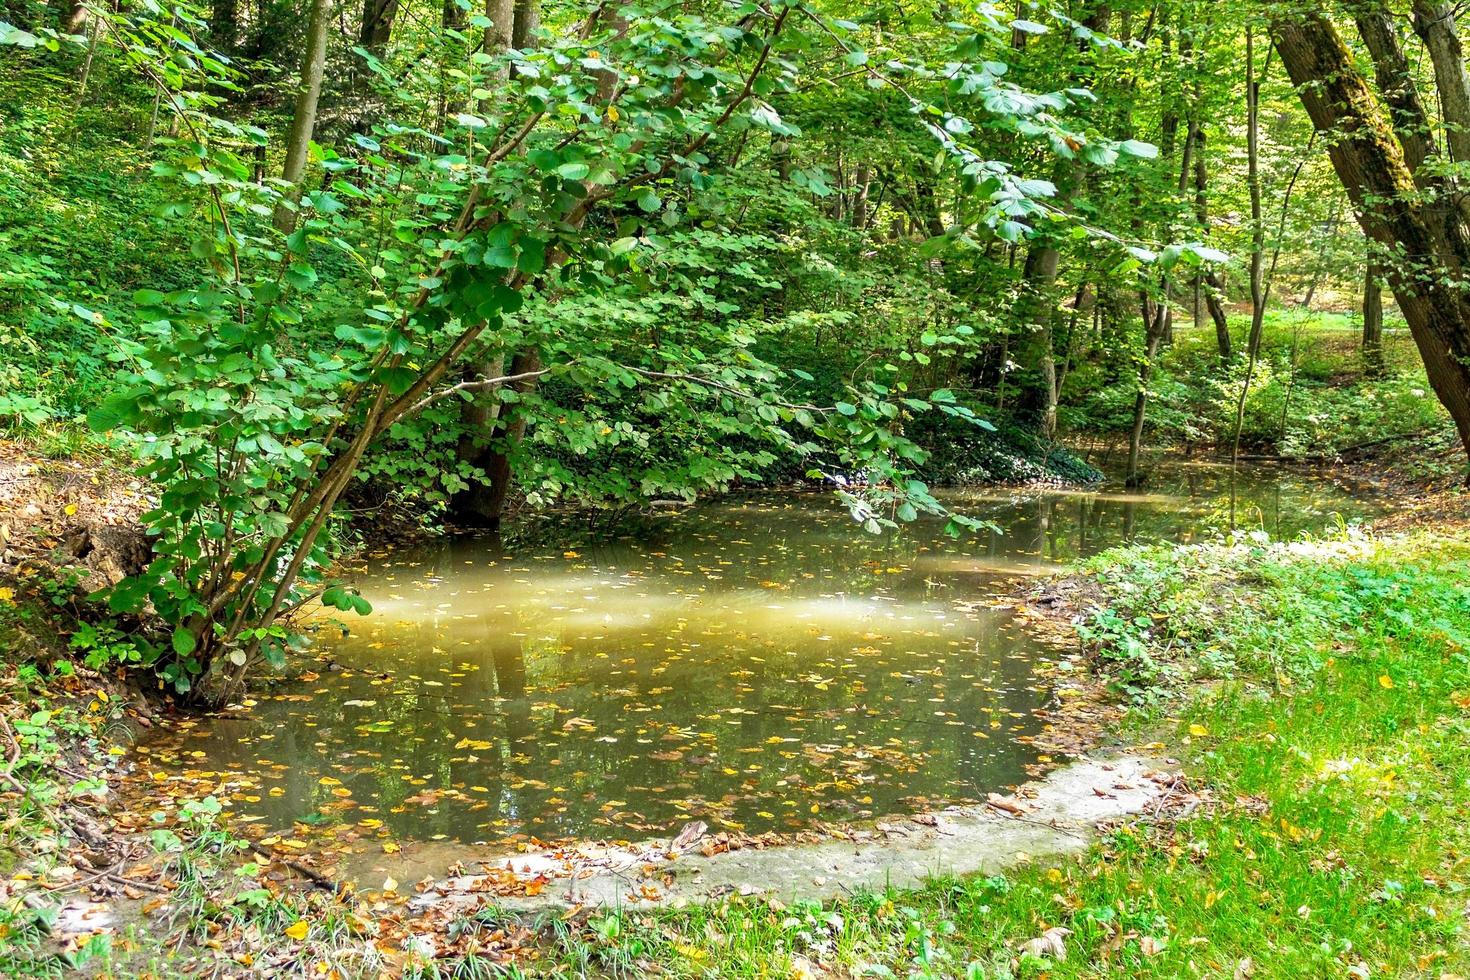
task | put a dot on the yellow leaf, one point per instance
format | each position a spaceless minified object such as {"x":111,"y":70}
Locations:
{"x":329,"y":781}
{"x":612,"y":113}
{"x":1198,"y":730}
{"x":389,"y":847}
{"x":70,"y":509}
{"x":1384,"y":681}
{"x":298,"y":929}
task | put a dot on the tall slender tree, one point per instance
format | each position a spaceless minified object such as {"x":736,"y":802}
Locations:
{"x":303,"y":120}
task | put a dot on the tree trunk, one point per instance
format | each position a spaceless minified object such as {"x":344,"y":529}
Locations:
{"x":527,"y":20}
{"x":1373,"y":321}
{"x":1038,"y":313}
{"x":303,"y":122}
{"x":1212,"y":286}
{"x":224,"y":24}
{"x":490,"y":433}
{"x":1395,"y":79}
{"x":1253,"y":179}
{"x":377,"y":24}
{"x":502,"y":25}
{"x":1156,"y":317}
{"x":482,"y":503}
{"x":1434,"y":22}
{"x":1375,"y":173}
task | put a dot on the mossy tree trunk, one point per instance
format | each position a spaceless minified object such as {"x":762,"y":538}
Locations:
{"x":1423,"y":236}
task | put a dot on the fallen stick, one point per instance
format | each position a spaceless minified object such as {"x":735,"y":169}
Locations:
{"x":311,"y":874}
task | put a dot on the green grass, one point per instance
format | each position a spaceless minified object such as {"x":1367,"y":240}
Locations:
{"x":1333,"y":754}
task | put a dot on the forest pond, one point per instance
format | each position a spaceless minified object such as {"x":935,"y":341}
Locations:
{"x":757,"y":662}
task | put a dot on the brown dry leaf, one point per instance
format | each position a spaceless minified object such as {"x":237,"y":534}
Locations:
{"x":1001,"y":803}
{"x":693,"y":831}
{"x":1049,"y":945}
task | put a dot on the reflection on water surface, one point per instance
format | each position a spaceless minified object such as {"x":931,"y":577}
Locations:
{"x":757,"y":662}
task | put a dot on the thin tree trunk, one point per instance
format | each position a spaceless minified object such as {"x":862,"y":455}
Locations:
{"x":1156,"y":317}
{"x":303,"y":122}
{"x":491,"y":432}
{"x":1212,"y":286}
{"x":1258,"y":244}
{"x":93,"y":36}
{"x":1373,"y":321}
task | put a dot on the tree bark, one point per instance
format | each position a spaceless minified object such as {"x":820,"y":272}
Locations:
{"x":303,"y":121}
{"x":1373,"y":322}
{"x":1156,"y":317}
{"x":1039,"y":309}
{"x":1396,"y":82}
{"x":1434,"y":22}
{"x":1212,"y":285}
{"x":377,"y":24}
{"x":491,"y":433}
{"x":482,"y":503}
{"x":527,"y":20}
{"x":502,"y":25}
{"x":1373,"y":168}
{"x":224,"y":25}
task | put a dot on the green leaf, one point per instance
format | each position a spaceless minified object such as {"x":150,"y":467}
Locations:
{"x":184,"y":642}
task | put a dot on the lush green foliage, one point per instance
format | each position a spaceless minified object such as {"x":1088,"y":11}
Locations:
{"x":643,"y":254}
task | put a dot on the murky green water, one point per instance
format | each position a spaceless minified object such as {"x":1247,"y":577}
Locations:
{"x":758,"y":663}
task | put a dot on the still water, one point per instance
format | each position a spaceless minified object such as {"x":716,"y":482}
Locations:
{"x":757,"y":662}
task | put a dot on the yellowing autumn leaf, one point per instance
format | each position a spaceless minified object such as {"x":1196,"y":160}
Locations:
{"x":470,"y":743}
{"x":1384,"y":681}
{"x":1198,"y":730}
{"x":298,"y":929}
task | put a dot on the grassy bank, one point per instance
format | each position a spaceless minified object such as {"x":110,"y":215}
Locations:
{"x":1322,"y":832}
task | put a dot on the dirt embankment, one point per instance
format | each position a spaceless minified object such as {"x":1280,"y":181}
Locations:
{"x":80,"y":517}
